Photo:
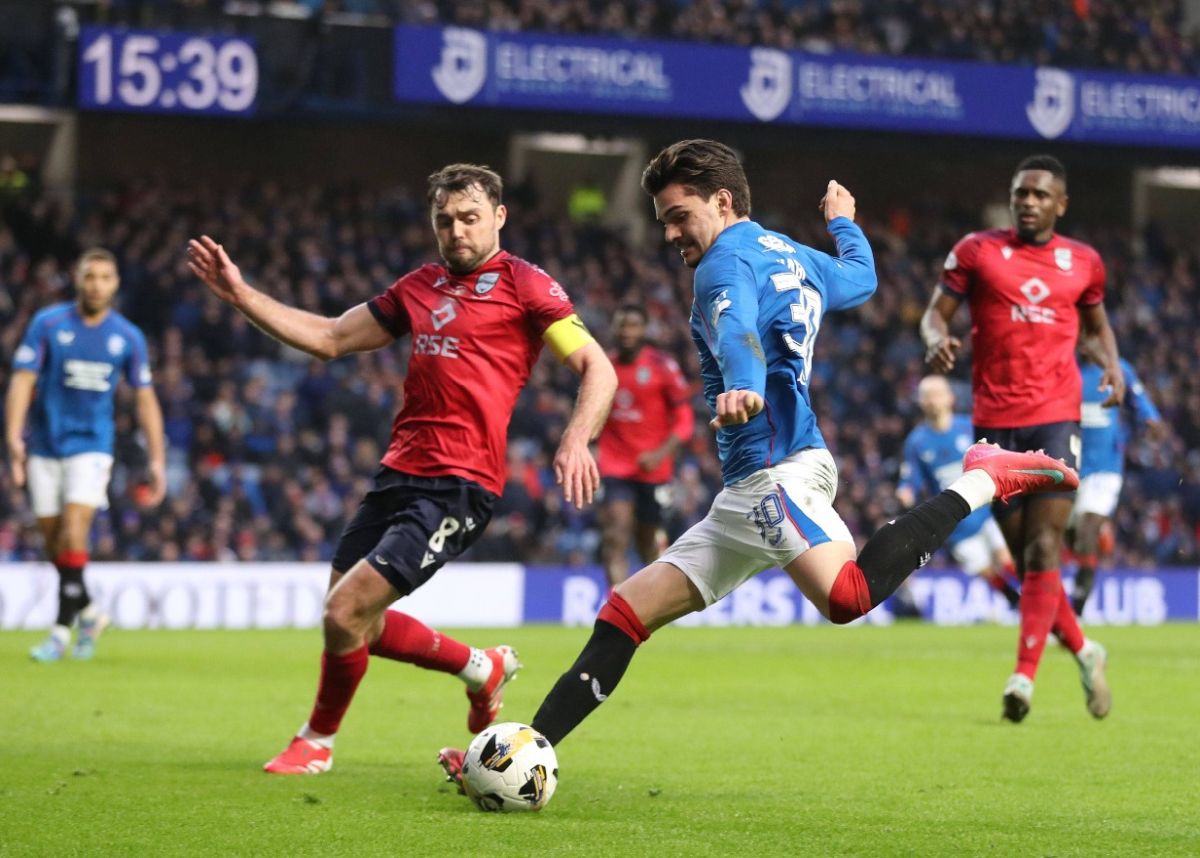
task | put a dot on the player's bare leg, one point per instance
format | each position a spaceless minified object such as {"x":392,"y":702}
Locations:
{"x":650,"y":541}
{"x":354,"y":611}
{"x":1085,"y":545}
{"x":616,"y":525}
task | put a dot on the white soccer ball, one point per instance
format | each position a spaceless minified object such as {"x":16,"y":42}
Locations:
{"x":510,"y":767}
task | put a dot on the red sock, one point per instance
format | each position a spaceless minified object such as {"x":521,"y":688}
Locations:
{"x":1040,"y":595}
{"x":1066,"y":626}
{"x":340,"y":675}
{"x":617,"y":612}
{"x":996,"y":581}
{"x":406,"y":638}
{"x":849,"y":597}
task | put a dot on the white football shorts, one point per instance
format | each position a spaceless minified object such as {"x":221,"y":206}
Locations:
{"x":976,"y":554}
{"x":81,"y":479}
{"x":764,"y":520}
{"x":1098,"y":493}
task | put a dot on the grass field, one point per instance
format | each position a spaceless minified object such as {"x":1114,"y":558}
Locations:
{"x":790,"y":741}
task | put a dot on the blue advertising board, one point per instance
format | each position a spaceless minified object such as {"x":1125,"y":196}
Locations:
{"x":460,"y":66}
{"x":572,"y":596}
{"x":160,"y":72}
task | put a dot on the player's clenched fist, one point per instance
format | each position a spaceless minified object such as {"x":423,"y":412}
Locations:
{"x":837,"y":202}
{"x":735,"y":407}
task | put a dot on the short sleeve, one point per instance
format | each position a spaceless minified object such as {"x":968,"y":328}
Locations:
{"x":544,"y":300}
{"x":31,"y":353}
{"x":388,"y":308}
{"x":959,"y":268}
{"x":1094,"y":293}
{"x":137,"y":366}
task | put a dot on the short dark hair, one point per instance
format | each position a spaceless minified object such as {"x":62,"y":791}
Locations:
{"x":459,"y":177}
{"x":636,"y":309}
{"x":95,"y":254}
{"x":1049,"y":163}
{"x":702,"y":167}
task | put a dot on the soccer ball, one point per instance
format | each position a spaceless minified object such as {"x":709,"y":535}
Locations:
{"x":510,"y":767}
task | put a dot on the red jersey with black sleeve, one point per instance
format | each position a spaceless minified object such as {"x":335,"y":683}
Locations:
{"x":1024,"y":300}
{"x":475,"y":338}
{"x":653,"y":402}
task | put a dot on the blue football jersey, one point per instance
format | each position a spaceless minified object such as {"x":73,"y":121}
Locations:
{"x":933,"y":460}
{"x":1106,"y":430}
{"x":759,"y":300}
{"x":78,"y":367}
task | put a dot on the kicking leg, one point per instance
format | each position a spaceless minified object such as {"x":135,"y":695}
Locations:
{"x":652,"y":598}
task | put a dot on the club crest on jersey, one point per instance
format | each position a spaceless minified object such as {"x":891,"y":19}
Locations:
{"x":487,"y":282}
{"x":1006,"y":252}
{"x":643,"y":375}
{"x":1062,"y":258}
{"x":65,"y":338}
{"x":116,"y":345}
{"x":443,"y":316}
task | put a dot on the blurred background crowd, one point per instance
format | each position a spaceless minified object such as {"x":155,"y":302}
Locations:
{"x":270,"y":451}
{"x":1149,"y":36}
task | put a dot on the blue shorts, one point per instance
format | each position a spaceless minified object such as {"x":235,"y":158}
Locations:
{"x":408,"y":527}
{"x":1060,"y":440}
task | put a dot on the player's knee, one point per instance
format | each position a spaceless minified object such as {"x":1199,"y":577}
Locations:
{"x":1045,"y":550}
{"x":341,"y":617}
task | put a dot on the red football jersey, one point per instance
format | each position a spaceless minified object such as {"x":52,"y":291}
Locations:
{"x":1024,"y":301}
{"x":475,"y":338}
{"x":652,"y":402}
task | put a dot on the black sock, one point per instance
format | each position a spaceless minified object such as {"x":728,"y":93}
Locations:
{"x":587,"y":684}
{"x":906,"y":544}
{"x":1085,"y":577}
{"x":1011,"y":594}
{"x":72,"y":594}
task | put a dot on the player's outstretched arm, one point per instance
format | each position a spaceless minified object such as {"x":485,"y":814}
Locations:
{"x":16,"y":409}
{"x":574,"y":468}
{"x":356,"y":330}
{"x":1094,"y":324}
{"x":941,"y":349}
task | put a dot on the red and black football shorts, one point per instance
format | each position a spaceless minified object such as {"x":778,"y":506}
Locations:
{"x":1060,"y":440}
{"x":408,"y":527}
{"x":650,"y":500}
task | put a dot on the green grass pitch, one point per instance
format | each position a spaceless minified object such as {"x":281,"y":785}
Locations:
{"x":789,"y":741}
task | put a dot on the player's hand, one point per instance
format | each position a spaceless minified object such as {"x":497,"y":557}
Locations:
{"x":735,"y":407}
{"x":575,"y":470}
{"x":157,"y":486}
{"x":941,"y":355}
{"x":837,"y":202}
{"x":1114,"y":382}
{"x":209,"y":261}
{"x":650,"y":460}
{"x":1157,"y":430}
{"x":16,"y":461}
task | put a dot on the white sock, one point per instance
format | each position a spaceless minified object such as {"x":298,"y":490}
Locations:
{"x":478,"y":670}
{"x":316,"y":738}
{"x":62,"y":634}
{"x":975,"y":487}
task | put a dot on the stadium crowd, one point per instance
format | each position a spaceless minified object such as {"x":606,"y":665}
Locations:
{"x":1151,"y":37}
{"x":270,"y":450}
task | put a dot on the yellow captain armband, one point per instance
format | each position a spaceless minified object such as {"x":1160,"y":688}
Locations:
{"x":567,"y":336}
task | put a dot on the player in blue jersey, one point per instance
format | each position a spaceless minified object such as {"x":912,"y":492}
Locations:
{"x":933,"y":454}
{"x":760,"y":297}
{"x":1102,"y":465}
{"x":64,"y":379}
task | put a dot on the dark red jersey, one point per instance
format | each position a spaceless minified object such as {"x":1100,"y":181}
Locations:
{"x":474,"y":339}
{"x":1024,"y":301}
{"x":652,"y":403}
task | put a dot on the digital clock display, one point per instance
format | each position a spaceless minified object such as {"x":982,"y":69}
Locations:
{"x":166,"y":72}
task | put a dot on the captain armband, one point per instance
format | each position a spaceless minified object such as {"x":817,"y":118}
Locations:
{"x":567,"y":336}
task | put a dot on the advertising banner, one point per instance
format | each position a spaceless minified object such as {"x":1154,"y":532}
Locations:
{"x":460,"y":66}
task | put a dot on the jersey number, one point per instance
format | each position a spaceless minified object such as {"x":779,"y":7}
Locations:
{"x":807,"y":313}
